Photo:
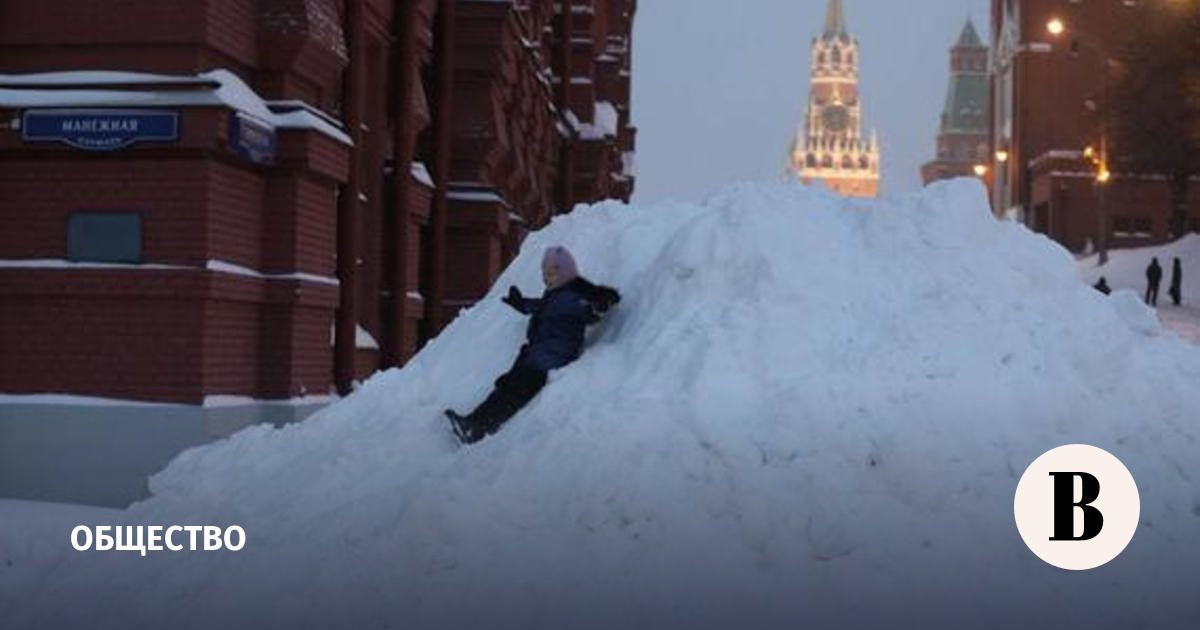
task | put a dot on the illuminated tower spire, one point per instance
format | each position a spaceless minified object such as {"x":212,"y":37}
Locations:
{"x":829,"y":144}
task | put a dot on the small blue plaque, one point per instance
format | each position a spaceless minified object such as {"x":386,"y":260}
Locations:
{"x":251,"y":139}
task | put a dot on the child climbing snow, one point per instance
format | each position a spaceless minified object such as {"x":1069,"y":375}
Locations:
{"x":554,"y":338}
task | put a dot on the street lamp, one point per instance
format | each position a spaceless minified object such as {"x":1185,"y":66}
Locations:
{"x":1002,"y":156}
{"x":980,"y":170}
{"x":1056,"y":27}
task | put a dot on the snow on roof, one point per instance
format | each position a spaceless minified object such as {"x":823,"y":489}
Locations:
{"x":605,"y":122}
{"x":607,"y":118}
{"x":1056,"y":154}
{"x":363,"y":339}
{"x":98,"y":78}
{"x":219,"y":266}
{"x":421,"y":174}
{"x":572,"y":119}
{"x":101,"y":88}
{"x":629,"y":163}
{"x":484,"y":196}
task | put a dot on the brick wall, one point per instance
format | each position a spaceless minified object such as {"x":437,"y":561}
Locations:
{"x":128,"y":334}
{"x":39,"y":194}
{"x":233,"y":207}
{"x":144,"y":35}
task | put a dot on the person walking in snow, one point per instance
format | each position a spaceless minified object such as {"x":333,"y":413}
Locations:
{"x":1153,"y":279}
{"x":554,"y":338}
{"x":1176,"y":290}
{"x":1102,"y":286}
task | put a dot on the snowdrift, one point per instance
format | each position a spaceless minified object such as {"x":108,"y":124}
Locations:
{"x":807,"y":410}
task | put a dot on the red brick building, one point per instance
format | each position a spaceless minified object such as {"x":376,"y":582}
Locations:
{"x":263,"y":199}
{"x":1048,"y":108}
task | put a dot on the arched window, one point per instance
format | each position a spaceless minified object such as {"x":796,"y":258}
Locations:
{"x":821,"y":58}
{"x":827,"y":161}
{"x":837,"y":55}
{"x":847,"y":162}
{"x":863,"y":162}
{"x":810,"y":161}
{"x":850,"y":58}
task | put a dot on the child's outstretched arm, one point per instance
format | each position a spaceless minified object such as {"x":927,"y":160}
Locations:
{"x":519,"y":302}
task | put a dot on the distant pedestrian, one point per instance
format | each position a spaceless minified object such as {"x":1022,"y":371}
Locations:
{"x":1153,"y":279}
{"x":1102,"y":286}
{"x":1176,"y":290}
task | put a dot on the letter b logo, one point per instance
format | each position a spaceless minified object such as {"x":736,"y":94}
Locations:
{"x":1064,"y":506}
{"x":1077,"y":506}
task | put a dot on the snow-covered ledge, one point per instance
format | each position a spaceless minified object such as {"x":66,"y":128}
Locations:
{"x":107,"y":88}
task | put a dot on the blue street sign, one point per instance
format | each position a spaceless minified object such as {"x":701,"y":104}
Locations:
{"x":100,"y":129}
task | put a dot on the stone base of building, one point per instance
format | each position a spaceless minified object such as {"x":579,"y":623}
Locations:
{"x":101,"y":452}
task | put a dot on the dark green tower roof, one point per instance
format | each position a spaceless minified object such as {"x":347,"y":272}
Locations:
{"x":969,"y":37}
{"x":967,"y":93}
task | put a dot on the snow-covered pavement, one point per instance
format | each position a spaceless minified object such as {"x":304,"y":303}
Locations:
{"x":1126,"y":269}
{"x":1184,"y":320}
{"x":33,"y":538}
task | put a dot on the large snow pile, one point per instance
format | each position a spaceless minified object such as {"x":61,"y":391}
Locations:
{"x":806,"y":410}
{"x":1126,"y":269}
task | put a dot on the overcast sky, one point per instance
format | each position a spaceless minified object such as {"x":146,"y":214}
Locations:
{"x":719,"y":86}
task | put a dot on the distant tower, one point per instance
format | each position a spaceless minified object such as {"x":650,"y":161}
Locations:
{"x":829,"y":144}
{"x":962,"y":142}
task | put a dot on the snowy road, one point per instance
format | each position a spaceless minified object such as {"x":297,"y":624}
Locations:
{"x":1183,"y":319}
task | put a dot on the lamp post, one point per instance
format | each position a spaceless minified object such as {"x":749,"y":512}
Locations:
{"x":1056,"y":27}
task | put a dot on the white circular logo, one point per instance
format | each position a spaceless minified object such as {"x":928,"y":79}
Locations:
{"x":1077,"y":507}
